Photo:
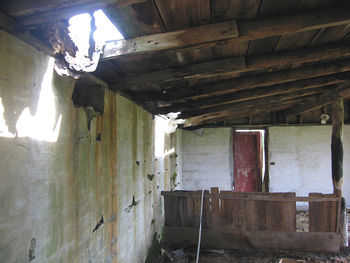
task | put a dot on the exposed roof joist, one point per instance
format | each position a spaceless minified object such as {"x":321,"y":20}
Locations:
{"x":317,"y":102}
{"x":212,"y":35}
{"x":244,"y":105}
{"x":48,"y":12}
{"x":259,"y":92}
{"x":222,"y":67}
{"x":250,"y":82}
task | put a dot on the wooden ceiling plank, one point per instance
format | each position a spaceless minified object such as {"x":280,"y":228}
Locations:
{"x":259,"y":92}
{"x":284,"y":58}
{"x":316,"y":103}
{"x":55,"y":12}
{"x":249,"y":82}
{"x":180,"y":14}
{"x":223,"y":10}
{"x":252,"y":103}
{"x":259,"y":108}
{"x":205,"y":36}
{"x":201,"y":69}
{"x":20,"y":8}
{"x":136,"y":20}
{"x":9,"y":25}
{"x":231,"y":115}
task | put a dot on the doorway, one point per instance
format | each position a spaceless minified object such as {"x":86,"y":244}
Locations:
{"x":249,"y":160}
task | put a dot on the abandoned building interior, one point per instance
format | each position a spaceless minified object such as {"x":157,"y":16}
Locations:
{"x":224,"y":119}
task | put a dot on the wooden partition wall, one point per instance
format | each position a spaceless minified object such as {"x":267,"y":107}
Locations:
{"x":246,"y":221}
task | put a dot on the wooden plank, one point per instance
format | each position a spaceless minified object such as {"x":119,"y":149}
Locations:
{"x":314,"y":103}
{"x":211,"y":35}
{"x":250,"y":82}
{"x":214,"y":193}
{"x":136,"y":20}
{"x":207,"y":213}
{"x":20,"y":8}
{"x":180,"y":14}
{"x":316,"y":221}
{"x":171,"y":40}
{"x":215,"y":208}
{"x":221,"y":67}
{"x":233,"y":212}
{"x":252,"y":240}
{"x":281,"y":216}
{"x":257,"y":93}
{"x":249,"y":105}
{"x":190,"y":71}
{"x":61,"y":13}
{"x":232,"y":9}
{"x":10,"y":25}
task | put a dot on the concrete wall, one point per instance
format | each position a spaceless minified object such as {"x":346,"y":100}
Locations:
{"x":207,"y":159}
{"x":302,"y":157}
{"x":58,"y":178}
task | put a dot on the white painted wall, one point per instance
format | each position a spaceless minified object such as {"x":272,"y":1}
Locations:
{"x":302,"y":157}
{"x":207,"y":159}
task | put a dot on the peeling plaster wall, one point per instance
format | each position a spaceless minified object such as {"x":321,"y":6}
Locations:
{"x":302,"y":157}
{"x":54,"y":188}
{"x":207,"y":159}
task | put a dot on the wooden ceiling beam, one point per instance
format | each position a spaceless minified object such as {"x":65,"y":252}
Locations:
{"x":210,"y":34}
{"x":316,"y":103}
{"x":239,"y":106}
{"x":222,"y":67}
{"x":249,"y":82}
{"x":229,"y":115}
{"x":259,"y":92}
{"x":200,"y":70}
{"x":9,"y":25}
{"x":48,"y":12}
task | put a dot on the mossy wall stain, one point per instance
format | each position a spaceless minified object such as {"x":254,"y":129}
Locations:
{"x":57,"y":191}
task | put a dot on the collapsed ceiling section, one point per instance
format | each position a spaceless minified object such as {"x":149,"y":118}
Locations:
{"x":217,"y":62}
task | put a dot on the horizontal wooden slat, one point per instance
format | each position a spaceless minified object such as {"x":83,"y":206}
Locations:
{"x":248,"y":106}
{"x":259,"y":92}
{"x":222,"y":67}
{"x":246,"y":241}
{"x":315,"y":103}
{"x":56,"y":12}
{"x":171,"y":40}
{"x":249,"y":82}
{"x":248,"y":30}
{"x":253,"y":196}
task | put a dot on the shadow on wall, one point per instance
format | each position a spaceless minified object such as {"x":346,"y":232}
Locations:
{"x":30,"y":111}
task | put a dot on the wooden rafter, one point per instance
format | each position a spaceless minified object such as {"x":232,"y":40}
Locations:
{"x":315,"y":103}
{"x":222,"y":67}
{"x":48,"y":13}
{"x":249,"y":82}
{"x":248,"y":30}
{"x":239,"y":106}
{"x":259,"y":92}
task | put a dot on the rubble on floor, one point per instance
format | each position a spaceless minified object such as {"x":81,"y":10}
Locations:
{"x":221,"y":256}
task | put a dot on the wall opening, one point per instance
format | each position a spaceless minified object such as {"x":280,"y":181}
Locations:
{"x":249,"y":166}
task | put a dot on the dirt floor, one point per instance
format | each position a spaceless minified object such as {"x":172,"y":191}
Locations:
{"x":220,"y":256}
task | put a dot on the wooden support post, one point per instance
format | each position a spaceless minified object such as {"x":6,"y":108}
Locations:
{"x":337,"y":164}
{"x":337,"y":145}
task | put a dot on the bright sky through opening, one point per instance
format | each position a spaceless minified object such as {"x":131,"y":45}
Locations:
{"x":79,"y":27}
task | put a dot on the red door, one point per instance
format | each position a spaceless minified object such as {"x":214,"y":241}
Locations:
{"x":247,"y":150}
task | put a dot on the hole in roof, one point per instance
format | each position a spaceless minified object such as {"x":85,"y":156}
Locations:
{"x":79,"y":31}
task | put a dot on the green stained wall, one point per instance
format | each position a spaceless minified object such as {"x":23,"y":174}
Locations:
{"x":57,"y":180}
